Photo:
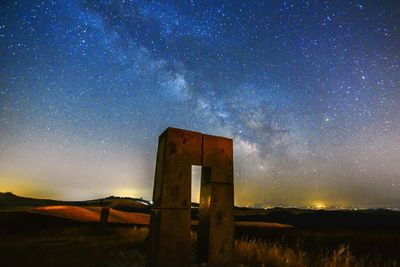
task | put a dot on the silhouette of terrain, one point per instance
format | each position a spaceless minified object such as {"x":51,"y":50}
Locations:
{"x":135,"y":210}
{"x":37,"y":213}
{"x":371,"y":218}
{"x":10,"y":201}
{"x":68,"y":233}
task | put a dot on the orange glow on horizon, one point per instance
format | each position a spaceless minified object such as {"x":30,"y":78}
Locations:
{"x":23,"y":186}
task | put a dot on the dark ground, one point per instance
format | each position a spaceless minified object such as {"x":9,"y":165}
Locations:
{"x":28,"y":239}
{"x":31,"y":239}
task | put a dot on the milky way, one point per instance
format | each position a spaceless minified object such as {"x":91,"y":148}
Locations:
{"x":308,"y":90}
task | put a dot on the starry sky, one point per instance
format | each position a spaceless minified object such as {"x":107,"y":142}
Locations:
{"x":308,"y":90}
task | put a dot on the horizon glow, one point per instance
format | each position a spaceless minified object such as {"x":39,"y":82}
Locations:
{"x":309,"y":92}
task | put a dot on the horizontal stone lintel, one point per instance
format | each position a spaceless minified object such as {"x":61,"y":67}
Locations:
{"x":170,"y":208}
{"x":226,"y":183}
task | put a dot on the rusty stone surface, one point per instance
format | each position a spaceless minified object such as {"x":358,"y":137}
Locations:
{"x":169,"y":238}
{"x":221,"y":225}
{"x":203,"y":229}
{"x":216,"y":224}
{"x":217,"y":154}
{"x":178,"y":150}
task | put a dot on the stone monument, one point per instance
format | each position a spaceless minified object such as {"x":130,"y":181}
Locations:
{"x":170,"y":224}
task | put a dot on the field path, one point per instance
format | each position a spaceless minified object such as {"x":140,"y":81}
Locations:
{"x":92,"y":214}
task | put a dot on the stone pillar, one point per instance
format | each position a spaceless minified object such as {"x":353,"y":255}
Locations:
{"x":216,"y":213}
{"x":105,"y":212}
{"x":169,"y":237}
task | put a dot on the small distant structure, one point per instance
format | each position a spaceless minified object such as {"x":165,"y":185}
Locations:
{"x":8,"y":195}
{"x":170,"y":224}
{"x":105,"y":212}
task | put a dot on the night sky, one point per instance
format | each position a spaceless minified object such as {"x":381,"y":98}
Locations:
{"x":308,"y":90}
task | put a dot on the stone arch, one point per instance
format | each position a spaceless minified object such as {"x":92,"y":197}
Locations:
{"x":169,"y":237}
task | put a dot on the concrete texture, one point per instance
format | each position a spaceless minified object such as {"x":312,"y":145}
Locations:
{"x":169,"y":238}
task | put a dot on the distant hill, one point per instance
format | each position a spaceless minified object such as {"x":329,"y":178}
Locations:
{"x":10,"y":201}
{"x":303,"y":218}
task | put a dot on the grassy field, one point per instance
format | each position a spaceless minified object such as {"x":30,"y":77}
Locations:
{"x":321,"y":248}
{"x":117,"y":245}
{"x":61,"y":234}
{"x":75,"y":246}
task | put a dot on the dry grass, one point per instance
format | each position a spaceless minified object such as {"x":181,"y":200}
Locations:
{"x":135,"y":235}
{"x":125,"y":246}
{"x":75,"y":246}
{"x":255,"y":252}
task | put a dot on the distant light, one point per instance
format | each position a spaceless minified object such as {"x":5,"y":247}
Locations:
{"x":318,"y":205}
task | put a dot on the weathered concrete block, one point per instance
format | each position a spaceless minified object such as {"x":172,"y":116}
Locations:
{"x":169,"y":238}
{"x":178,"y":150}
{"x":203,"y":228}
{"x":216,"y":224}
{"x":218,"y":155}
